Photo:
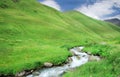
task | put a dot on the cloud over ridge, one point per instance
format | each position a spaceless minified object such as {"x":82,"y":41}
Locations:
{"x":100,"y":9}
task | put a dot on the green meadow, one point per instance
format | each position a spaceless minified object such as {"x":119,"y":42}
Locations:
{"x":32,"y":34}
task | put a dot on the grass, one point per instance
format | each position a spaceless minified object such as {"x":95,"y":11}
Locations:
{"x":98,"y":49}
{"x":31,"y":34}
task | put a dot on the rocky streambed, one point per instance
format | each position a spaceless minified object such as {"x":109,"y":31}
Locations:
{"x":78,"y":58}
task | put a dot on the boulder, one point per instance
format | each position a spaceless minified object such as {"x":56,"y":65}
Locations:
{"x":77,"y":49}
{"x":80,"y":48}
{"x":89,"y":53}
{"x":21,"y":74}
{"x":83,"y":55}
{"x":70,"y":59}
{"x":36,"y":73}
{"x":29,"y":72}
{"x":47,"y":64}
{"x":94,"y":58}
{"x":78,"y":57}
{"x":73,"y":53}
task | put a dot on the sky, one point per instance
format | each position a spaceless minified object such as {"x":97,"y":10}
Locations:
{"x":98,"y":9}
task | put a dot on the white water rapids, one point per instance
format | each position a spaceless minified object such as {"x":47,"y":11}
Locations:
{"x":79,"y":58}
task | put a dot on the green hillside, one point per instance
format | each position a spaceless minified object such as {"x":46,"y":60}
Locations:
{"x":31,"y":34}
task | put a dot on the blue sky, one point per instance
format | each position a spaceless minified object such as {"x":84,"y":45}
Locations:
{"x":98,"y":9}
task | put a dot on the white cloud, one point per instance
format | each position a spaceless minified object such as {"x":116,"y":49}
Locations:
{"x":99,"y":9}
{"x":117,"y":3}
{"x":51,"y":3}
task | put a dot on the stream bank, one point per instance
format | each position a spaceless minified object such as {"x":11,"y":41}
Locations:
{"x":78,"y":58}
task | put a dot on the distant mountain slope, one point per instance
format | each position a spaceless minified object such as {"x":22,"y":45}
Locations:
{"x":96,"y":26}
{"x":31,"y":34}
{"x":114,"y":21}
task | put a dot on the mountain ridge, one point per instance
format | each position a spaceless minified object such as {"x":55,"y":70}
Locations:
{"x":115,"y":21}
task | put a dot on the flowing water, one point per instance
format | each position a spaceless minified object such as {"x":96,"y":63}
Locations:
{"x":79,"y":58}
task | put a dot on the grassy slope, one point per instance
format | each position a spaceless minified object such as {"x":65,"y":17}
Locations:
{"x":109,"y":48}
{"x":31,"y":34}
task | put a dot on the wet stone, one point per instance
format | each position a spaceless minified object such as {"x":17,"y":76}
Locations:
{"x":36,"y":73}
{"x":78,"y":57}
{"x":70,"y":59}
{"x":83,"y":55}
{"x":21,"y":74}
{"x":79,"y":49}
{"x":94,"y":58}
{"x":47,"y":64}
{"x":89,"y":53}
{"x":72,"y":52}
